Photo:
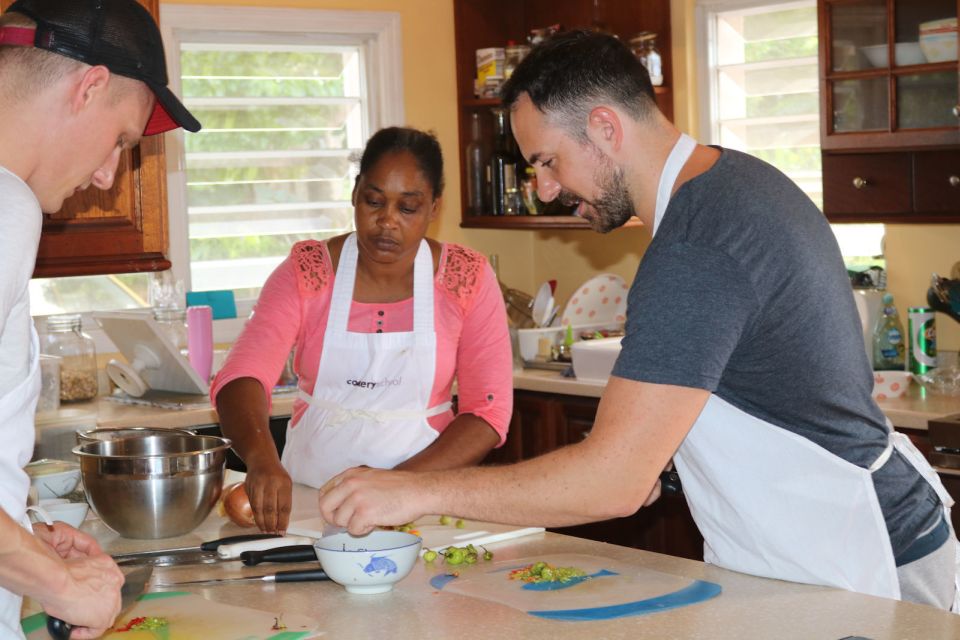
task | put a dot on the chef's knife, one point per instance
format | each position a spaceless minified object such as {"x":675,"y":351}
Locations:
{"x":207,"y":548}
{"x":133,"y":585}
{"x":213,"y":551}
{"x":306,"y":575}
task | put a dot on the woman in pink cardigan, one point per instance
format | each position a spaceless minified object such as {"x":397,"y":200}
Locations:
{"x":382,"y":320}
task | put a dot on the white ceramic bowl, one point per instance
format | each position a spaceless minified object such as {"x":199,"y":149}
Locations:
{"x":890,"y":384}
{"x":907,"y":53}
{"x":53,"y":478}
{"x":73,"y":513}
{"x":371,"y":563}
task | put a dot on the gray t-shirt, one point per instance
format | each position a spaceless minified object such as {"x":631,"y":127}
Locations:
{"x":743,"y":292}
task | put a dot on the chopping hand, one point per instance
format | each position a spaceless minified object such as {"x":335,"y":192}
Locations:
{"x":133,"y":585}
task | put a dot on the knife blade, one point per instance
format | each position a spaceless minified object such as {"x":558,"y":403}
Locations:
{"x":133,"y":585}
{"x":299,"y":575}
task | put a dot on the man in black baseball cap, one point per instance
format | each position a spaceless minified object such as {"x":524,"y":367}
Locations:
{"x":80,"y":82}
{"x":118,"y":34}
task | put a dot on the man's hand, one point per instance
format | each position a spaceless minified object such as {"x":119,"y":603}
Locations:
{"x":362,"y":498}
{"x":67,"y":541}
{"x":89,"y":595}
{"x":271,"y":496}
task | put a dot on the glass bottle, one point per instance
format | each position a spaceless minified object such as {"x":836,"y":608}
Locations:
{"x":512,"y":201}
{"x":173,"y":324}
{"x":528,"y":189}
{"x":64,"y":337}
{"x":888,"y":345}
{"x":654,"y":62}
{"x":474,"y":153}
{"x":499,"y":161}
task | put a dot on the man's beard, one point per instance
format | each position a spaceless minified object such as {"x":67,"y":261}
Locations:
{"x":613,"y":207}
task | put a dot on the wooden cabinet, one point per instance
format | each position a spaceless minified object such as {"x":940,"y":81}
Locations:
{"x":116,"y":231}
{"x":890,"y":103}
{"x":480,"y":24}
{"x":543,"y":422}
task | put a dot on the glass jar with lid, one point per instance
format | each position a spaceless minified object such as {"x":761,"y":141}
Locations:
{"x":64,"y":338}
{"x":173,"y":324}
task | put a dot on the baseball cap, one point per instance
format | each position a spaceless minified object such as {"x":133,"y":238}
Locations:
{"x":118,"y":34}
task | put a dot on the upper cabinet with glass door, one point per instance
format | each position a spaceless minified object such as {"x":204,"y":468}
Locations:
{"x":889,"y":74}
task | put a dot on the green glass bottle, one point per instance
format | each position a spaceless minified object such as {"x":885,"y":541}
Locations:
{"x":888,"y":339}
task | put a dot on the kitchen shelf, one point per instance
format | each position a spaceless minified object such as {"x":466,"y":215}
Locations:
{"x":532,"y":222}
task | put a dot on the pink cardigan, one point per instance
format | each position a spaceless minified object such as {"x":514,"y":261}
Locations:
{"x":473,"y":343}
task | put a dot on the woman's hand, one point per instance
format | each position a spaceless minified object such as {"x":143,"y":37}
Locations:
{"x":270,"y":491}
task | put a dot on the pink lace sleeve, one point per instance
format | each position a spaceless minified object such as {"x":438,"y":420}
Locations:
{"x":460,"y":273}
{"x":313,"y":265}
{"x":484,"y":356}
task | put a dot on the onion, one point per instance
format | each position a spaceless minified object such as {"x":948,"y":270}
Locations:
{"x":235,"y":505}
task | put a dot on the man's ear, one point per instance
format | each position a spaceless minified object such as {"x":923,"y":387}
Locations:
{"x":91,"y":84}
{"x":605,"y":129}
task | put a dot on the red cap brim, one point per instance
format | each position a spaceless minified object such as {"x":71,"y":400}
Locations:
{"x":160,"y":121}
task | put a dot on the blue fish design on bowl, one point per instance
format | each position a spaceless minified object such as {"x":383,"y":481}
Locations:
{"x":380,"y":563}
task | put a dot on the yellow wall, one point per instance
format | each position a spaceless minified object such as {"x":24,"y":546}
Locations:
{"x":571,"y":257}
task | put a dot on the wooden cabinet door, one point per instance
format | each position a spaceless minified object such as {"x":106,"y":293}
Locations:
{"x":936,"y":180}
{"x":117,"y":231}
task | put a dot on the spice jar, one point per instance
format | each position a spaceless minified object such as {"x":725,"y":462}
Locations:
{"x":65,"y":338}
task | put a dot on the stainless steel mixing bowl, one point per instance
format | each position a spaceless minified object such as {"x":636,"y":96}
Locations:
{"x":156,"y":486}
{"x":116,"y":433}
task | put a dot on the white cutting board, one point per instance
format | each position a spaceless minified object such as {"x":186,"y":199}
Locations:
{"x":435,"y":536}
{"x":192,"y":617}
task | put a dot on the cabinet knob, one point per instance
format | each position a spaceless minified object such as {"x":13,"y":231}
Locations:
{"x":859,"y":183}
{"x":954,"y":181}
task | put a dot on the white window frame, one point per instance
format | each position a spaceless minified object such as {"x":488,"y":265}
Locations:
{"x":707,"y":34}
{"x":378,"y":33}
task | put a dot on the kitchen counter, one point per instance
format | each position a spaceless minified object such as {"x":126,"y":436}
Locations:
{"x":913,"y":410}
{"x":748,"y":607}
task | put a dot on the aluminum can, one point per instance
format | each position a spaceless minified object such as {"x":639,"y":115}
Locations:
{"x":923,"y":339}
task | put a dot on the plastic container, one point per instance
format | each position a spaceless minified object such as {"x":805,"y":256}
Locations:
{"x":64,"y":337}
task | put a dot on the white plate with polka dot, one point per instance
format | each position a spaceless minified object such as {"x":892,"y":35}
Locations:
{"x":600,"y":299}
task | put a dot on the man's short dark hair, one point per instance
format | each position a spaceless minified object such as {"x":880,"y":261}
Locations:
{"x":569,"y":74}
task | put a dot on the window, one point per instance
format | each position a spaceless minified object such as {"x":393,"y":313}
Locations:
{"x":762,"y":78}
{"x":285,"y":98}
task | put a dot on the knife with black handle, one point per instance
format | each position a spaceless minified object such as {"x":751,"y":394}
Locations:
{"x":296,"y":553}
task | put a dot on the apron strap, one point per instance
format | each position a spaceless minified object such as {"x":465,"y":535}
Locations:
{"x":339,"y":413}
{"x":882,"y":458}
{"x":678,"y":157}
{"x":342,"y":297}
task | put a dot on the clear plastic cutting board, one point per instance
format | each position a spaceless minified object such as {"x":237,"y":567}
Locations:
{"x":613,"y":589}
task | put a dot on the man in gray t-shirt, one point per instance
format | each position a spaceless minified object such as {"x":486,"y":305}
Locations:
{"x":743,"y":361}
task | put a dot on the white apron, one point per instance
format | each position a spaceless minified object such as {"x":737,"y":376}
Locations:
{"x":371,"y":398}
{"x":17,"y":407}
{"x":772,"y":503}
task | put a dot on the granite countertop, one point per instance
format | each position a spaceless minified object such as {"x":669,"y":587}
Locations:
{"x":748,"y":607}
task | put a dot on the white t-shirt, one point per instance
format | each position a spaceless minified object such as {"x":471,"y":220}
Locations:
{"x":20,"y":223}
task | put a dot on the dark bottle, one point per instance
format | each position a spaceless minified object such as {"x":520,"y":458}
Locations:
{"x":475,"y":171}
{"x":502,"y":158}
